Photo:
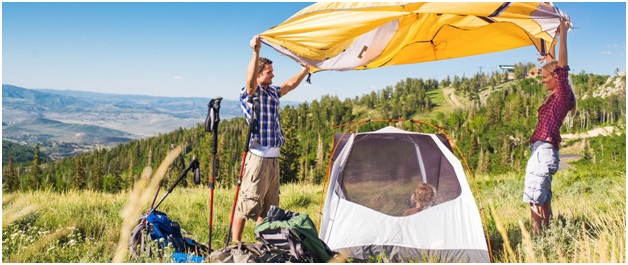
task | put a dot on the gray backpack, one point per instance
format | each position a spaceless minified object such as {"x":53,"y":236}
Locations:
{"x":242,"y":252}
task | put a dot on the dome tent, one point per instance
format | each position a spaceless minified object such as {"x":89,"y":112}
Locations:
{"x":372,"y":177}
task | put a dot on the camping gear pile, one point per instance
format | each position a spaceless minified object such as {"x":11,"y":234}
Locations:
{"x":285,"y":236}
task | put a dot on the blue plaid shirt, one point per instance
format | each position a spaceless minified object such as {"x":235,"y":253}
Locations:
{"x":269,"y":121}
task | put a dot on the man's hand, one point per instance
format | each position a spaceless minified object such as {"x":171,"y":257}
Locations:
{"x":256,"y":43}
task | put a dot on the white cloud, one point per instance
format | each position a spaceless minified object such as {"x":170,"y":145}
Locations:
{"x":606,"y":53}
{"x":177,"y":77}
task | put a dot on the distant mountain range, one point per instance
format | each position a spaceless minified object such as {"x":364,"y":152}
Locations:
{"x":63,"y":117}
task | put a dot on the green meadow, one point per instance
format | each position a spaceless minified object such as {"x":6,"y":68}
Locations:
{"x":589,"y":223}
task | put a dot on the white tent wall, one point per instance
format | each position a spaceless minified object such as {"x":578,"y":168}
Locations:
{"x":450,"y":231}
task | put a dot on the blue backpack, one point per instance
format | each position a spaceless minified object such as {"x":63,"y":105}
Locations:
{"x":165,"y":231}
{"x":160,"y":226}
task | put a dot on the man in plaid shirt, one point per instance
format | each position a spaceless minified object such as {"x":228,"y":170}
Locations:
{"x":545,"y":141}
{"x":260,"y":181}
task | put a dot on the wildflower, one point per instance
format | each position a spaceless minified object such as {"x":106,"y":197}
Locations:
{"x":72,"y":242}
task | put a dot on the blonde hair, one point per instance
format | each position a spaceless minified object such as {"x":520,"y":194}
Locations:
{"x":550,"y":67}
{"x":424,"y":194}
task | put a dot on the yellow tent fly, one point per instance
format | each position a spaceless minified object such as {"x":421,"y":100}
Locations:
{"x":362,"y":35}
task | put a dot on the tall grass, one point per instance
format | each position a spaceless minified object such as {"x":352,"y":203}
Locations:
{"x":589,"y":223}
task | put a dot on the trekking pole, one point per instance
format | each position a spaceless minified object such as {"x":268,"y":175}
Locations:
{"x":175,"y":164}
{"x":252,"y":126}
{"x":211,"y":125}
{"x":194,"y":164}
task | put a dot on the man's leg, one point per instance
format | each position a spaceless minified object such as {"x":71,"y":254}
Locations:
{"x":237,"y":228}
{"x":246,"y":203}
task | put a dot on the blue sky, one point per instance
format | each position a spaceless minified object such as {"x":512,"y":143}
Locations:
{"x":198,"y":49}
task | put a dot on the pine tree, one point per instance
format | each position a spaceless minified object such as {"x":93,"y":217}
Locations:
{"x":289,"y":159}
{"x":485,"y":162}
{"x":480,"y":162}
{"x":320,"y":163}
{"x":224,"y":173}
{"x":9,"y":177}
{"x":131,"y":176}
{"x":473,"y":152}
{"x":97,"y":171}
{"x":79,"y":174}
{"x":586,"y":150}
{"x":34,"y":178}
{"x":505,"y":152}
{"x":112,"y":183}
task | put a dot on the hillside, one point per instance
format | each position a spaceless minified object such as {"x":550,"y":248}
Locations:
{"x":491,"y":133}
{"x":19,"y":153}
{"x":65,"y":123}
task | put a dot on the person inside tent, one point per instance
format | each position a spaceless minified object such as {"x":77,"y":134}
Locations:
{"x":545,"y":141}
{"x":423,"y":197}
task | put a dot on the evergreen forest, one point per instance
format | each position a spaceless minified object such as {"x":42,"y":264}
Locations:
{"x":491,"y":130}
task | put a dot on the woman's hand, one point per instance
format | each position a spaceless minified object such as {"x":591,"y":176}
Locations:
{"x":563,"y":27}
{"x":545,"y":59}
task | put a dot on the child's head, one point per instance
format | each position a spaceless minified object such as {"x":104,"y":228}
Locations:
{"x":424,"y":195}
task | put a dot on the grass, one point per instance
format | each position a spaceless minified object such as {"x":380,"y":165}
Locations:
{"x":441,"y":105}
{"x":589,"y":223}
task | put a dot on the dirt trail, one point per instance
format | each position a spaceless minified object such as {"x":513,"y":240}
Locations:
{"x":565,"y":159}
{"x":451,"y":98}
{"x":604,"y":131}
{"x":569,"y":157}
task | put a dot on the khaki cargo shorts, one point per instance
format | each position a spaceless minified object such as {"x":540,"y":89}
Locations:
{"x":260,"y":187}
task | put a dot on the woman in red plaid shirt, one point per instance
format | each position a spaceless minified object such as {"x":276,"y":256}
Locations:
{"x":546,"y":139}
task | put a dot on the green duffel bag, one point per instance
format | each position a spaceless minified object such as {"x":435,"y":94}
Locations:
{"x":293,"y":233}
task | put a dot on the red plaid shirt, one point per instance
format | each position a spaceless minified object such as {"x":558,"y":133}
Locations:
{"x":553,"y":112}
